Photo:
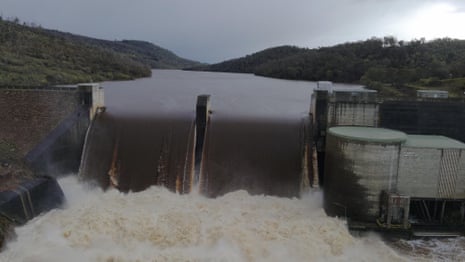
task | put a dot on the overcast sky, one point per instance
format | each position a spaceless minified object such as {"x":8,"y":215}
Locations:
{"x":216,"y":30}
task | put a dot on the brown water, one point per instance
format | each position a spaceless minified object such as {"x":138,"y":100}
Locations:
{"x":254,"y":141}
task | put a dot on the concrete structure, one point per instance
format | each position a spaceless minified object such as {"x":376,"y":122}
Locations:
{"x":355,"y":108}
{"x":324,"y":86}
{"x":48,"y":124}
{"x":360,"y":163}
{"x":364,"y":108}
{"x":60,"y":151}
{"x":382,"y":175}
{"x":422,"y":116}
{"x":349,"y":107}
{"x":432,"y":94}
{"x":432,"y":167}
{"x":201,"y":127}
{"x":27,"y":115}
{"x":444,"y":117}
{"x":91,"y":95}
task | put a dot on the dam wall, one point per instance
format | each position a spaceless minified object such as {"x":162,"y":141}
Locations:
{"x":428,"y":117}
{"x":41,"y":133}
{"x":60,"y":151}
{"x":46,"y":126}
{"x":28,"y":115}
{"x":207,"y":153}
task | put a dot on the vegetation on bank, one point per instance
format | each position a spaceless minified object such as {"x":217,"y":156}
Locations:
{"x":393,"y":67}
{"x":33,"y":56}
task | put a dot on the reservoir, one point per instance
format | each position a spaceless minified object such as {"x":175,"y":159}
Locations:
{"x":254,"y":140}
{"x":254,"y":133}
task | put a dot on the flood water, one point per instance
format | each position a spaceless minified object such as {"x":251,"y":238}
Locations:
{"x":159,"y":225}
{"x":173,"y":92}
{"x":254,"y":139}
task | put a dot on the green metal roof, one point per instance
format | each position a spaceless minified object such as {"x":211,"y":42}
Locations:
{"x":369,"y":134}
{"x":433,"y":142}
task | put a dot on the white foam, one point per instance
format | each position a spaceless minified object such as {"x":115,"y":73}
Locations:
{"x":158,"y":225}
{"x":439,"y":249}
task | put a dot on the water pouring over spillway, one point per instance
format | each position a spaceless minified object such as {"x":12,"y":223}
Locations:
{"x":236,"y":137}
{"x":213,"y":154}
{"x":135,"y":153}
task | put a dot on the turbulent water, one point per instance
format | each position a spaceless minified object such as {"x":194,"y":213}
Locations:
{"x":157,"y":225}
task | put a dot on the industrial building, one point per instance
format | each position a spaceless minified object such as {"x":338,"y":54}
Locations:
{"x":391,"y":163}
{"x":393,"y":179}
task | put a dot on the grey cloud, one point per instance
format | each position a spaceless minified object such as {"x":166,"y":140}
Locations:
{"x":214,"y":30}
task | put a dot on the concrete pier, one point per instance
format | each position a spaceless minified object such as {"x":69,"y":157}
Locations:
{"x":202,"y":119}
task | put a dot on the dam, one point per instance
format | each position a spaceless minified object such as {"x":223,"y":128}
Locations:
{"x":254,"y":140}
{"x":259,"y":149}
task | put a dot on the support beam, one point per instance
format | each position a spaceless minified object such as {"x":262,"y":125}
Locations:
{"x":443,"y":210}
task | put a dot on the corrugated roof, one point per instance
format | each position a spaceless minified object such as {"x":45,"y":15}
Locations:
{"x":428,"y":141}
{"x":369,"y":134}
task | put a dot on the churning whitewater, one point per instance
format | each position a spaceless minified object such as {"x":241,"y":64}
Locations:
{"x":158,"y":225}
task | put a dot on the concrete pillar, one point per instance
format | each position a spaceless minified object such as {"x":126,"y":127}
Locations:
{"x":201,"y":127}
{"x":319,"y":111}
{"x":92,"y":96}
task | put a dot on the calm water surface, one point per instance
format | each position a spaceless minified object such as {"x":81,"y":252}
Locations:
{"x":170,"y":92}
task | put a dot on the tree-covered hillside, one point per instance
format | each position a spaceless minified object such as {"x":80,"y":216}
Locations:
{"x":250,"y":63}
{"x":393,"y":67}
{"x":33,"y":56}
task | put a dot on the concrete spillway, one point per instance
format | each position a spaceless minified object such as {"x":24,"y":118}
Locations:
{"x":133,"y":152}
{"x":259,"y":156}
{"x":255,"y":134}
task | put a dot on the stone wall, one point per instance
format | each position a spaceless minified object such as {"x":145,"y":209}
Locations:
{"x":27,"y":116}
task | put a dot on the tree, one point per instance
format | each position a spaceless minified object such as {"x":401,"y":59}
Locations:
{"x":389,"y":41}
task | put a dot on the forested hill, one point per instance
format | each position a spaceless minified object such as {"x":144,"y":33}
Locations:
{"x":33,"y":56}
{"x":250,"y":63}
{"x":391,"y":66}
